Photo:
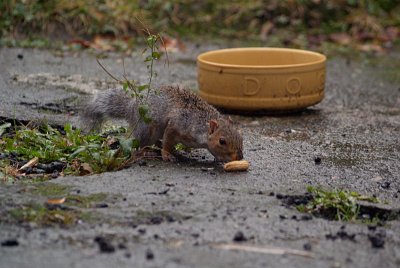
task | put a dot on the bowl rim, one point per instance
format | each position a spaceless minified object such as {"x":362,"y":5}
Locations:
{"x":200,"y":58}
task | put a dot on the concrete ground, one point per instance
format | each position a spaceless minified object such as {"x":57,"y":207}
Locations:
{"x":188,"y":214}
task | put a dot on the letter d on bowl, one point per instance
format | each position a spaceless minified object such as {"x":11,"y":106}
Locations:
{"x":251,"y":86}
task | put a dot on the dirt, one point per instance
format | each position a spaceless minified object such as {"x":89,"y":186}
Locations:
{"x":157,"y":214}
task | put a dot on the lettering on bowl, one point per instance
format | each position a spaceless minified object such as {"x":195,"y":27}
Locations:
{"x":293,"y":85}
{"x":251,"y":86}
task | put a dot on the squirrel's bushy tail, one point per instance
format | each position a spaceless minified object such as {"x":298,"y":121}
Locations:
{"x":114,"y":103}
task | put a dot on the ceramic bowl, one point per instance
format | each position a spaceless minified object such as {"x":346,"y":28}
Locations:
{"x":261,"y":79}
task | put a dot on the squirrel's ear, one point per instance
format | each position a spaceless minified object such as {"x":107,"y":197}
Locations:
{"x":213,"y":125}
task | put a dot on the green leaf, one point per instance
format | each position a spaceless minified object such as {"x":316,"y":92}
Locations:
{"x":143,"y":87}
{"x":147,"y":119}
{"x":3,"y":128}
{"x":151,"y":40}
{"x":77,"y":152}
{"x":127,"y":144}
{"x":125,"y":86}
{"x":143,"y":110}
{"x":155,"y":55}
{"x":135,"y":143}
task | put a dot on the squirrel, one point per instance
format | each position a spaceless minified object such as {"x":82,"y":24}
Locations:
{"x":177,"y":116}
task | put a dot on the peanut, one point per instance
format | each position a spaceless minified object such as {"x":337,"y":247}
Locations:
{"x":241,"y":165}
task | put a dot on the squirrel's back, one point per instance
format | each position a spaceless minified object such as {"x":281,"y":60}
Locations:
{"x":165,"y":103}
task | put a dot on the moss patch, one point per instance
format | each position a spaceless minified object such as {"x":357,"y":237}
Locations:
{"x":51,"y":189}
{"x":44,"y":216}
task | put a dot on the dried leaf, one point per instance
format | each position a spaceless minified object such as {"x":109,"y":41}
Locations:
{"x":173,"y":45}
{"x":56,"y":201}
{"x":85,"y":169}
{"x":102,"y":43}
{"x":81,"y":42}
{"x":370,"y":48}
{"x":340,"y":38}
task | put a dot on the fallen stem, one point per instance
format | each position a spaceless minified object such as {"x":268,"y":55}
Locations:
{"x":265,"y":250}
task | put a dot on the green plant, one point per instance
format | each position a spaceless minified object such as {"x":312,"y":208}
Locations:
{"x":70,"y":146}
{"x":140,"y":92}
{"x":44,"y":216}
{"x":337,"y":204}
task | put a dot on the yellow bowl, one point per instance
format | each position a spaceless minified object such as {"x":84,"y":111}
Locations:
{"x":269,"y":79}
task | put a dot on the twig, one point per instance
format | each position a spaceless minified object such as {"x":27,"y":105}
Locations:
{"x":265,"y":250}
{"x":112,"y":76}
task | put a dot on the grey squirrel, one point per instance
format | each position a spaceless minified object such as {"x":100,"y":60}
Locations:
{"x":177,"y":116}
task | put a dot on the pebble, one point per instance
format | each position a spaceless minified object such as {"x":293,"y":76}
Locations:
{"x":307,"y":246}
{"x":239,"y":237}
{"x":149,"y":254}
{"x":10,"y":243}
{"x":105,"y":245}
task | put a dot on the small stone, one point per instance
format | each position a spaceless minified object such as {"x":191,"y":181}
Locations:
{"x":306,"y":217}
{"x":55,"y":166}
{"x":142,"y":163}
{"x":38,"y":171}
{"x":317,"y":160}
{"x":385,"y":185}
{"x":121,"y":246}
{"x":10,"y":243}
{"x":101,"y":205}
{"x":149,"y":254}
{"x":105,"y":245}
{"x":377,"y":241}
{"x":55,"y":174}
{"x":195,"y":235}
{"x":28,"y":170}
{"x":307,"y":246}
{"x":239,"y":237}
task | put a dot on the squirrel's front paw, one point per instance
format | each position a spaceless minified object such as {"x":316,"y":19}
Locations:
{"x":167,"y":156}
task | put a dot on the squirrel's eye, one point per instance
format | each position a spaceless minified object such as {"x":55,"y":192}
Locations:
{"x":222,"y":141}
